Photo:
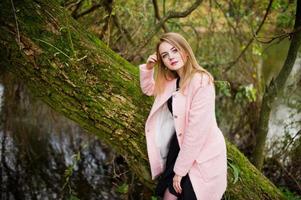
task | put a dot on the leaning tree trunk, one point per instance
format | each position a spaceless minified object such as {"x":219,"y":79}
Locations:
{"x":79,"y":76}
{"x":274,"y":89}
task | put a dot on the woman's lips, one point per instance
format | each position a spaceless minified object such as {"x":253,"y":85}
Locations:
{"x":174,"y":62}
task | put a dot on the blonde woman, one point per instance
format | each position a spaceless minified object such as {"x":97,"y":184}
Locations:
{"x":186,"y":149}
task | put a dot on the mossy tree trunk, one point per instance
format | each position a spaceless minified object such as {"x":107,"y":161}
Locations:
{"x":78,"y":76}
{"x":273,"y":90}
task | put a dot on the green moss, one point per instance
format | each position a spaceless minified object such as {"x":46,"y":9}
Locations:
{"x":251,"y":184}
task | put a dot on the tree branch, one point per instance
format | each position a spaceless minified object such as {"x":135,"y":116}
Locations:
{"x":279,"y":37}
{"x":169,"y":15}
{"x":231,"y":64}
{"x":94,"y":7}
{"x":157,"y":15}
{"x":273,"y":89}
{"x":77,"y":7}
{"x":124,"y":32}
{"x":108,"y":4}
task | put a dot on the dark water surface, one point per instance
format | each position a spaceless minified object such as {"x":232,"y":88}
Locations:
{"x":46,"y":156}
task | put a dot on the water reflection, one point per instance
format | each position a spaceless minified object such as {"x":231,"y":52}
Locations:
{"x":46,"y":156}
{"x":1,"y":94}
{"x":285,"y":113}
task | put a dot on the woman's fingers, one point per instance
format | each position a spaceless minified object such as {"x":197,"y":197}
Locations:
{"x":177,"y":184}
{"x":153,"y":58}
{"x":179,"y":187}
{"x":151,"y":61}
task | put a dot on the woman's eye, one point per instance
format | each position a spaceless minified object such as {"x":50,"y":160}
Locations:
{"x":175,"y":50}
{"x":164,"y":56}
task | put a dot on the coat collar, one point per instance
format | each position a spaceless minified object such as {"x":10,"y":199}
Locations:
{"x":170,"y":89}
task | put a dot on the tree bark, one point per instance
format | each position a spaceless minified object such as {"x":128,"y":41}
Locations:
{"x":273,"y":90}
{"x":80,"y":77}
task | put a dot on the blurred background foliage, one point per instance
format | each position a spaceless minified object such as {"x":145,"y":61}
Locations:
{"x":243,"y":43}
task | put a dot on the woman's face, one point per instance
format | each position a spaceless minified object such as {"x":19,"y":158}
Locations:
{"x":171,"y":56}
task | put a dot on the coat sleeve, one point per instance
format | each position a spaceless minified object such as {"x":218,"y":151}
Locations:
{"x":147,"y":82}
{"x":200,"y":120}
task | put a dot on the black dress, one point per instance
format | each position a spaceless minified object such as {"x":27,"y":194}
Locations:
{"x":166,"y":178}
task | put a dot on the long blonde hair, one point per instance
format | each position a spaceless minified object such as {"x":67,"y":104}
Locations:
{"x":190,"y":67}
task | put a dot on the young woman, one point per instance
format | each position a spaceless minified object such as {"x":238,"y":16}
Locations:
{"x":186,"y":149}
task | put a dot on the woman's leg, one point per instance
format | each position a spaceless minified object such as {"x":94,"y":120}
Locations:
{"x":169,"y":196}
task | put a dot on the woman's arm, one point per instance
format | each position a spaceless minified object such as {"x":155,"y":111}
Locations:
{"x":147,"y":82}
{"x":200,"y":120}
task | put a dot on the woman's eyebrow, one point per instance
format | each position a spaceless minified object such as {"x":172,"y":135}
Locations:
{"x":170,"y":49}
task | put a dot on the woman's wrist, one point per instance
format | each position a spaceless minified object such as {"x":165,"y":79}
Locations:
{"x":178,"y":175}
{"x":149,"y":66}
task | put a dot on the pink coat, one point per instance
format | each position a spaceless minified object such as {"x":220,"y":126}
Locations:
{"x":202,"y":145}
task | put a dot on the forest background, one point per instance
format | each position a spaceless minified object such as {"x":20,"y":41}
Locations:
{"x":250,"y":47}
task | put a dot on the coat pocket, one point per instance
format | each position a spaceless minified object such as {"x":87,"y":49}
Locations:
{"x":213,"y":167}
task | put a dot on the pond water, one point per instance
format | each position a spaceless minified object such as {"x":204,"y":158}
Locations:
{"x":46,"y":156}
{"x":286,"y":111}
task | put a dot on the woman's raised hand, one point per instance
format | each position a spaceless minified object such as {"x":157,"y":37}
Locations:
{"x":151,"y":61}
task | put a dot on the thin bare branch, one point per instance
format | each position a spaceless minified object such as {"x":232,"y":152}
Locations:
{"x":157,"y":15}
{"x":226,"y":17}
{"x":77,"y":7}
{"x":17,"y":27}
{"x":277,"y":162}
{"x":279,"y":37}
{"x":169,"y":15}
{"x":108,"y":5}
{"x":94,"y":7}
{"x":252,"y":39}
{"x":124,"y":32}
